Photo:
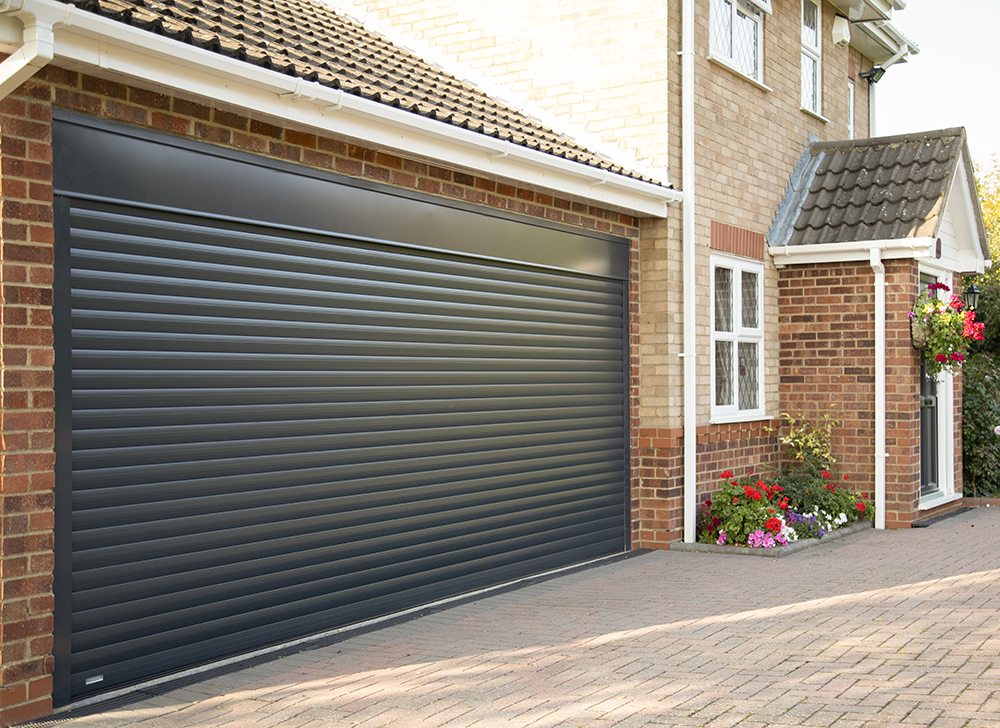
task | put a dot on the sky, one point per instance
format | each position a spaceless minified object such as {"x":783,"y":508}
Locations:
{"x":953,"y":81}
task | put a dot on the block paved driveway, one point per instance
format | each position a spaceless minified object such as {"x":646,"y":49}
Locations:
{"x":897,"y":628}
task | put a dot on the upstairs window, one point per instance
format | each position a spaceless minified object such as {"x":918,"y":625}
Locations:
{"x":812,"y":27}
{"x":737,"y":35}
{"x":737,"y":339}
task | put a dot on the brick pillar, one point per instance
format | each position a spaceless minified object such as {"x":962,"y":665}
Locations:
{"x":902,"y":390}
{"x":26,"y":428}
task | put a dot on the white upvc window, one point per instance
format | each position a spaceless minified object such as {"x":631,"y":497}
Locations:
{"x":812,"y":34}
{"x":736,"y":30}
{"x":850,"y":109}
{"x":737,"y":339}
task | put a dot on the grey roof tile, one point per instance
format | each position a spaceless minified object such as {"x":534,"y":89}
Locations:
{"x":882,"y":188}
{"x":309,"y":40}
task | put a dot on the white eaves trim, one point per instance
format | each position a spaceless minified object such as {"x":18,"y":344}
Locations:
{"x":785,"y":255}
{"x":90,"y":43}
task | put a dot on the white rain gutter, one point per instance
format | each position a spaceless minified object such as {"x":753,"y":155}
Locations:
{"x":875,"y":252}
{"x":93,"y":44}
{"x":690,"y":274}
{"x":37,"y":43}
{"x":784,"y":255}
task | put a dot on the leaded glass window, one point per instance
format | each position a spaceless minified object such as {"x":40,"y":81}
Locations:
{"x":723,"y":299}
{"x":737,"y":338}
{"x":811,"y":35}
{"x":749,"y":371}
{"x":736,"y":35}
{"x":723,"y":373}
{"x":750,"y":300}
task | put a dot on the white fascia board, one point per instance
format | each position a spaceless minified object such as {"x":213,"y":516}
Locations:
{"x":785,"y":255}
{"x":104,"y":47}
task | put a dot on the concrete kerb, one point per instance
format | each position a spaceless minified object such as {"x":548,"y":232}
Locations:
{"x":776,"y":552}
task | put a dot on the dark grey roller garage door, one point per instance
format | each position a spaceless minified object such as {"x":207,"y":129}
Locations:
{"x":268,"y":429}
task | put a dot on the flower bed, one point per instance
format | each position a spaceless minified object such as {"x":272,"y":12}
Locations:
{"x":758,"y":514}
{"x":778,"y":551}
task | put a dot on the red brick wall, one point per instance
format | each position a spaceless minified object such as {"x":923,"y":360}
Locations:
{"x":827,"y":314}
{"x":27,"y":502}
{"x":902,"y":398}
{"x":26,"y":483}
{"x":741,"y":447}
{"x":827,"y":341}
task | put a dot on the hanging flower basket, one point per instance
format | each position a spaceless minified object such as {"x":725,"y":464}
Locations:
{"x":942,"y":330}
{"x":920,"y":333}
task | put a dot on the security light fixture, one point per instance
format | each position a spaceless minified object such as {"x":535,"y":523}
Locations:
{"x":971,"y":296}
{"x":874,"y":75}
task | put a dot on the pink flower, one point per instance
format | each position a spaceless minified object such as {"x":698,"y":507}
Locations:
{"x":957,"y":357}
{"x":996,"y":430}
{"x":955,"y":302}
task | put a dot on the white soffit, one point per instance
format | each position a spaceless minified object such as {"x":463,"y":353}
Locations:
{"x":98,"y":46}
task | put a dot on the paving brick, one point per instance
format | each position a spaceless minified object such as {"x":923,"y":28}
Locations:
{"x":864,"y":633}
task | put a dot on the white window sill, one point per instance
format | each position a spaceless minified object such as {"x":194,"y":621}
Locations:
{"x":754,"y":416}
{"x":724,"y":62}
{"x":814,"y":115}
{"x":938,"y":499}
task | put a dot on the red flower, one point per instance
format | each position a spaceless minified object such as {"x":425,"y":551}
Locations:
{"x":846,"y":478}
{"x":773,"y":525}
{"x":826,"y":474}
{"x":708,"y":504}
{"x":861,"y":506}
{"x":784,"y":504}
{"x":957,"y":357}
{"x":777,"y":488}
{"x":735,"y":499}
{"x":716,"y":520}
{"x":830,"y":487}
{"x":770,"y":510}
{"x":751,"y":493}
{"x":941,"y":358}
{"x":726,"y":475}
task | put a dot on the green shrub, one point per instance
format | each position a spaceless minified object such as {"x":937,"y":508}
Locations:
{"x":980,"y":418}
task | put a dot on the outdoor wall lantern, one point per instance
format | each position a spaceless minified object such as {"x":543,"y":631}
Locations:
{"x":874,"y":75}
{"x":970,"y":297}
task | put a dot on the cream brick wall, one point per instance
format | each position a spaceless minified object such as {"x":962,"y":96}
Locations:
{"x":597,"y":66}
{"x":610,"y":68}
